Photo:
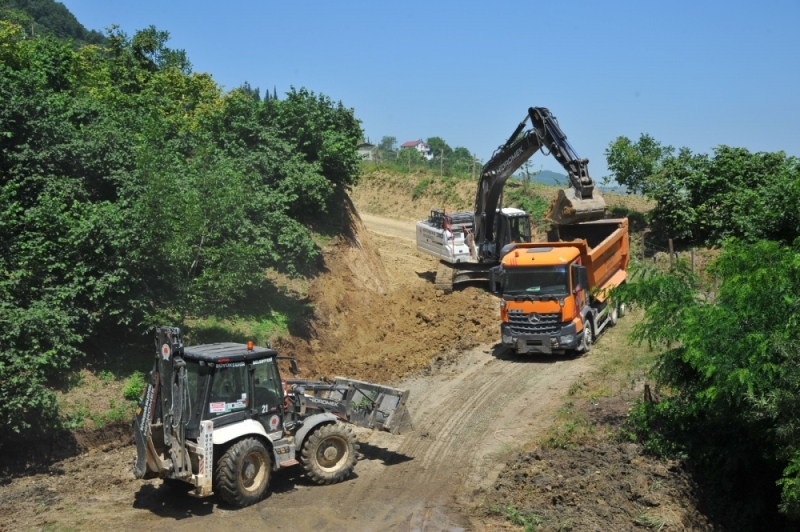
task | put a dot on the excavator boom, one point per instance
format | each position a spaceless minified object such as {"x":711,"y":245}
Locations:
{"x":580,"y":203}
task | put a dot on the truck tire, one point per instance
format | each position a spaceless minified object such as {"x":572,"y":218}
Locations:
{"x":613,"y":315}
{"x":588,"y":337}
{"x":621,"y":310}
{"x":243,"y":473}
{"x":329,"y":453}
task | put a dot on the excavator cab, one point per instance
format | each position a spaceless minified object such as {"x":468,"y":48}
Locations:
{"x":512,"y":225}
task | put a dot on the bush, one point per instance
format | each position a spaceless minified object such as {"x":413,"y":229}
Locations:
{"x":730,"y":370}
{"x":134,"y":386}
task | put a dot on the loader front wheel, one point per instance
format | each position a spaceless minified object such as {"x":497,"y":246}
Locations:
{"x":243,"y":472}
{"x":329,"y":453}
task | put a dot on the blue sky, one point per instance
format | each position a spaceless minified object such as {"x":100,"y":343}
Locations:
{"x":695,"y":74}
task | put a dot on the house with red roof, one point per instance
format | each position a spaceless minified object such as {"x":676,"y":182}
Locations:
{"x":420,"y":146}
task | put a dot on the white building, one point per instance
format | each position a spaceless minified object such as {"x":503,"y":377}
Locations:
{"x":420,"y":146}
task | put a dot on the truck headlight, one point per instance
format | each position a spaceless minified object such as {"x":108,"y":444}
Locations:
{"x":507,"y":340}
{"x":567,"y":338}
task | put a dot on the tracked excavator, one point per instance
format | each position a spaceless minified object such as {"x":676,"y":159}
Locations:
{"x":469,"y":244}
{"x":218,"y":418}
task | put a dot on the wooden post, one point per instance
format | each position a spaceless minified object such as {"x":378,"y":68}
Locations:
{"x":671,"y":253}
{"x":474,"y":158}
{"x":409,"y":159}
{"x":692,"y":260}
{"x":441,"y":164}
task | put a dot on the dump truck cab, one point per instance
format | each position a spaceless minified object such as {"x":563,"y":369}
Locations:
{"x":555,"y":293}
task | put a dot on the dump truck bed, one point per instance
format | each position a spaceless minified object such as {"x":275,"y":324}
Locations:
{"x":603,"y":246}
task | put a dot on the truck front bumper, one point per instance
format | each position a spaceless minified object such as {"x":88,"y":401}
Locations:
{"x":564,"y":339}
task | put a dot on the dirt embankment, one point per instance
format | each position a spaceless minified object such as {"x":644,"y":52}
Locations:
{"x":377,"y":315}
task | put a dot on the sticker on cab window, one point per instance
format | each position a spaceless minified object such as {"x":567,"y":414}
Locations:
{"x":216,"y":408}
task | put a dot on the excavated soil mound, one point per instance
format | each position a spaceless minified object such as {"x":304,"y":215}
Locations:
{"x":379,"y":317}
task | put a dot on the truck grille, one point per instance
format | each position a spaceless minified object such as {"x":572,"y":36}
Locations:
{"x":521,"y":323}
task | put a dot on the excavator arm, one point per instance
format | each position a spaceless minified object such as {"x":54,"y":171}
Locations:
{"x":579,"y":203}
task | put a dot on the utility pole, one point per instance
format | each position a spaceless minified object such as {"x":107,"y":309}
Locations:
{"x":474,"y":158}
{"x":441,"y":163}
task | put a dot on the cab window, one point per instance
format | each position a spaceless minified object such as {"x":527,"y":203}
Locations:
{"x":230,"y":389}
{"x":268,"y":389}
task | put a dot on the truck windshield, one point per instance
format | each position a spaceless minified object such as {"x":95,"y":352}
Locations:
{"x":539,"y":281}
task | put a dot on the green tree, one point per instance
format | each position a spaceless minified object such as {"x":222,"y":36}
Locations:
{"x":636,"y":165}
{"x":438,"y":147}
{"x":709,"y":198}
{"x":387,"y":144}
{"x":730,"y":364}
{"x":132,"y":189}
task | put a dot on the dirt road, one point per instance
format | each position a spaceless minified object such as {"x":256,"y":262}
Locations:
{"x":470,"y":409}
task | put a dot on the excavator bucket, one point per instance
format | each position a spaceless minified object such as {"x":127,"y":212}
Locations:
{"x":568,"y":208}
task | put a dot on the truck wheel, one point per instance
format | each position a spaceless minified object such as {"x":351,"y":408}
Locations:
{"x":588,"y":337}
{"x":621,"y":310}
{"x":329,"y":453}
{"x":613,"y":315}
{"x":243,"y":472}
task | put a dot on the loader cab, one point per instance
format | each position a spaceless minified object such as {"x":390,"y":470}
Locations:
{"x":229,"y":383}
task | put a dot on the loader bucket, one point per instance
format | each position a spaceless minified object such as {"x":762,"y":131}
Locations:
{"x":569,"y":208}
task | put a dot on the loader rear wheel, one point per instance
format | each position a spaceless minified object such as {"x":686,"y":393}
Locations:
{"x":329,"y":453}
{"x":243,"y":472}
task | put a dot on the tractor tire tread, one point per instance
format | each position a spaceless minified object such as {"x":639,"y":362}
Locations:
{"x":313,"y":470}
{"x":226,"y":476}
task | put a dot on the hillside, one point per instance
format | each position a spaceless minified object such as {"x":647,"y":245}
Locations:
{"x":49,"y":16}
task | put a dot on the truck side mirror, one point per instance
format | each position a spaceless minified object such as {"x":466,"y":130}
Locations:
{"x":580,"y":278}
{"x":496,"y":278}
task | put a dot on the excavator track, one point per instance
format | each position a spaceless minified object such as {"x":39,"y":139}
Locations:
{"x":444,"y":278}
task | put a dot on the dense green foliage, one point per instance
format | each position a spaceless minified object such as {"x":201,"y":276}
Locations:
{"x":708,"y":198}
{"x":730,"y":375}
{"x":132,"y":189}
{"x":39,"y":17}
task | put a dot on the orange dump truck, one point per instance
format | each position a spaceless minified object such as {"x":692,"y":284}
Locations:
{"x":555,"y":293}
